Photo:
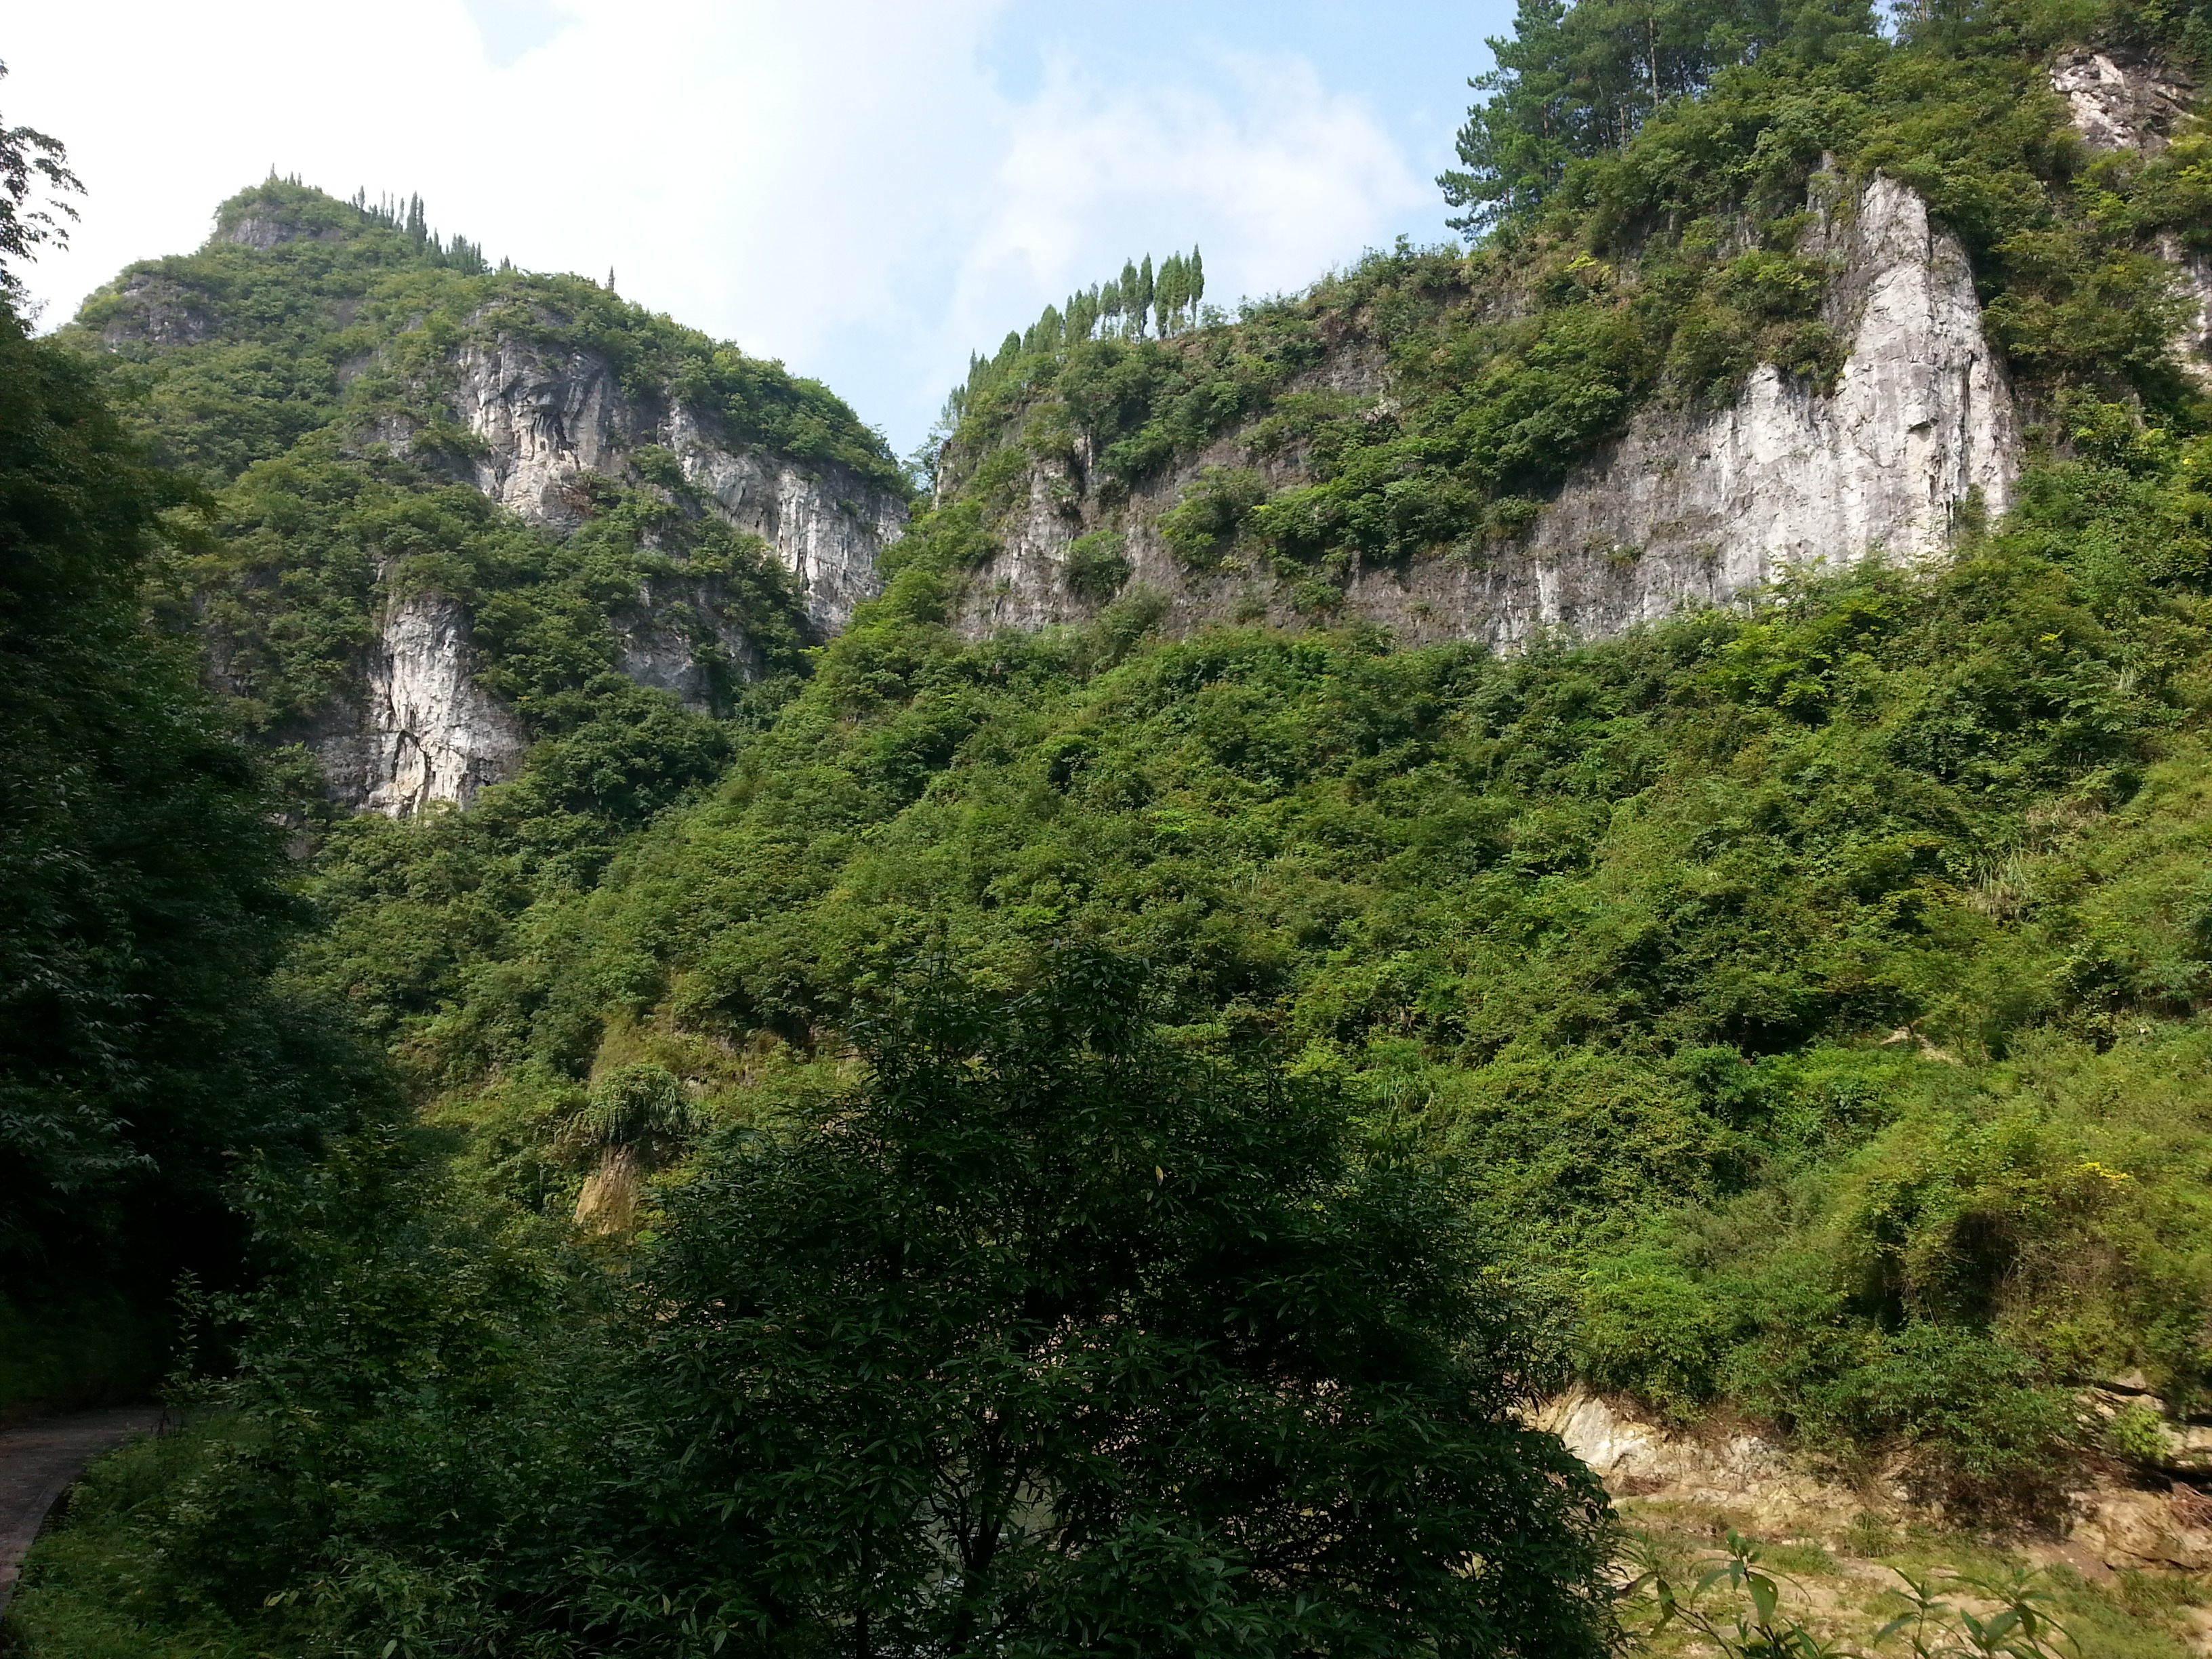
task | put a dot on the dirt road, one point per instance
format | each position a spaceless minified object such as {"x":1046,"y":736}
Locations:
{"x":40,"y":1459}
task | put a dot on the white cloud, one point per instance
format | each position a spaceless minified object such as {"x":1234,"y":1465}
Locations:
{"x":839,"y":184}
{"x":1259,"y":164}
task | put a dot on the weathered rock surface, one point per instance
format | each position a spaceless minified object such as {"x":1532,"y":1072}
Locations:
{"x":547,"y":418}
{"x":420,"y":731}
{"x":2163,"y":1525}
{"x":1919,"y":434}
{"x":2121,"y":99}
{"x":1734,"y":1469}
{"x":414,"y":729}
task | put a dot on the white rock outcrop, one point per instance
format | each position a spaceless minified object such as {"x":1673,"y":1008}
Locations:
{"x":1736,"y":1468}
{"x":546,"y":418}
{"x":419,"y":731}
{"x":1918,"y":436}
{"x":1919,"y":432}
{"x":2120,"y":99}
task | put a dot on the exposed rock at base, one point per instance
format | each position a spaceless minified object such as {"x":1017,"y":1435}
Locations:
{"x":1731,"y":1467}
{"x":419,"y":731}
{"x":2137,"y":1531}
{"x":2165,"y":1526}
{"x":1917,"y":437}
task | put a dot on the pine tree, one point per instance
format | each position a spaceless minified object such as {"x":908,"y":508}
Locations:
{"x":1144,"y":294}
{"x":1194,"y":279}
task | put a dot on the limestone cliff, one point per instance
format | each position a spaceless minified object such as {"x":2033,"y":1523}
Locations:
{"x":413,"y":362}
{"x":1918,"y":434}
{"x":545,"y":422}
{"x":418,"y":730}
{"x":545,"y":418}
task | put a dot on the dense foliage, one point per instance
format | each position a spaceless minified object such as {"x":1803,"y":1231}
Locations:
{"x":1056,"y":1333}
{"x":1808,"y":995}
{"x":1579,"y":80}
{"x":1849,"y":923}
{"x":140,"y":875}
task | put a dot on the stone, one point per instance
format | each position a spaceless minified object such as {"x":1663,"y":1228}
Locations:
{"x":420,"y":732}
{"x":547,"y":418}
{"x":1918,"y":437}
{"x":2121,"y":99}
{"x":2133,"y":1531}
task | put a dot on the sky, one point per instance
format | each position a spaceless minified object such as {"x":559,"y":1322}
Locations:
{"x":865,"y":190}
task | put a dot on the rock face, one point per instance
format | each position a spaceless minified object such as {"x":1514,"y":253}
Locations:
{"x":1917,"y":435}
{"x":1639,"y":1458}
{"x":420,"y":732}
{"x":546,"y":419}
{"x":2120,"y":1521}
{"x":2120,"y":99}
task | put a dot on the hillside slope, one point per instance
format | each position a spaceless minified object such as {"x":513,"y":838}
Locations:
{"x":1822,"y":314}
{"x":1804,"y":996}
{"x":453,"y":500}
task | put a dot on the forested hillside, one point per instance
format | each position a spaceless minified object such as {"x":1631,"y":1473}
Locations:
{"x":144,"y":1055}
{"x":1088,"y":1138}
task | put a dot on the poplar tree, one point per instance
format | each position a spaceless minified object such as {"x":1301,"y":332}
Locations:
{"x":1082,"y":313}
{"x":1168,"y":298}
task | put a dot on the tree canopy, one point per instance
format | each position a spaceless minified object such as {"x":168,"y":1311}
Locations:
{"x":1058,"y":1337}
{"x":1576,"y":80}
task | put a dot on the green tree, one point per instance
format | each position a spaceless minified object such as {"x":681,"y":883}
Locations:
{"x":1057,"y":1338}
{"x":1578,"y":79}
{"x":1171,"y":295}
{"x":143,"y":884}
{"x":30,"y":159}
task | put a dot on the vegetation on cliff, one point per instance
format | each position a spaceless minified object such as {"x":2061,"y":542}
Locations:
{"x":1792,"y":1011}
{"x":302,"y":367}
{"x":1660,"y":270}
{"x":147,"y":1069}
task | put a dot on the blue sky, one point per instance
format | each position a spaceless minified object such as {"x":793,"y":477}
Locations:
{"x":866,"y":189}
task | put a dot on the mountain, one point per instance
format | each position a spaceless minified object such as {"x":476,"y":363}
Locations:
{"x":1693,"y":413}
{"x":1680,"y":725}
{"x":676,"y":514}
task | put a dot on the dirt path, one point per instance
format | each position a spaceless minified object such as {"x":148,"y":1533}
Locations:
{"x":39,"y":1461}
